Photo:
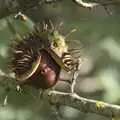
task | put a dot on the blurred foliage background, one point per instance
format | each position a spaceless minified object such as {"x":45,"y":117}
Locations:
{"x":97,"y":32}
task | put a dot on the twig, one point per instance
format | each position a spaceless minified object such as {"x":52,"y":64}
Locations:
{"x":83,"y":104}
{"x":75,"y":75}
{"x":98,"y":3}
{"x":85,"y":4}
{"x":94,"y":4}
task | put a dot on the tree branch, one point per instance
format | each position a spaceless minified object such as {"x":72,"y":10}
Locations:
{"x":86,"y":105}
{"x":83,"y":104}
{"x":84,"y":4}
{"x":70,"y":99}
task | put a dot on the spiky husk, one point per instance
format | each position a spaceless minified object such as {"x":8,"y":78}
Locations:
{"x":29,"y":53}
{"x":42,"y":46}
{"x":26,"y":49}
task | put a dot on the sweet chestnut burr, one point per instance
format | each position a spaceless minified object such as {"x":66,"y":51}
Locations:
{"x":39,"y":56}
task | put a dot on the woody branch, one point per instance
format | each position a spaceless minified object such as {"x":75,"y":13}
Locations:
{"x":83,"y":104}
{"x":69,"y":99}
{"x":86,"y":105}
